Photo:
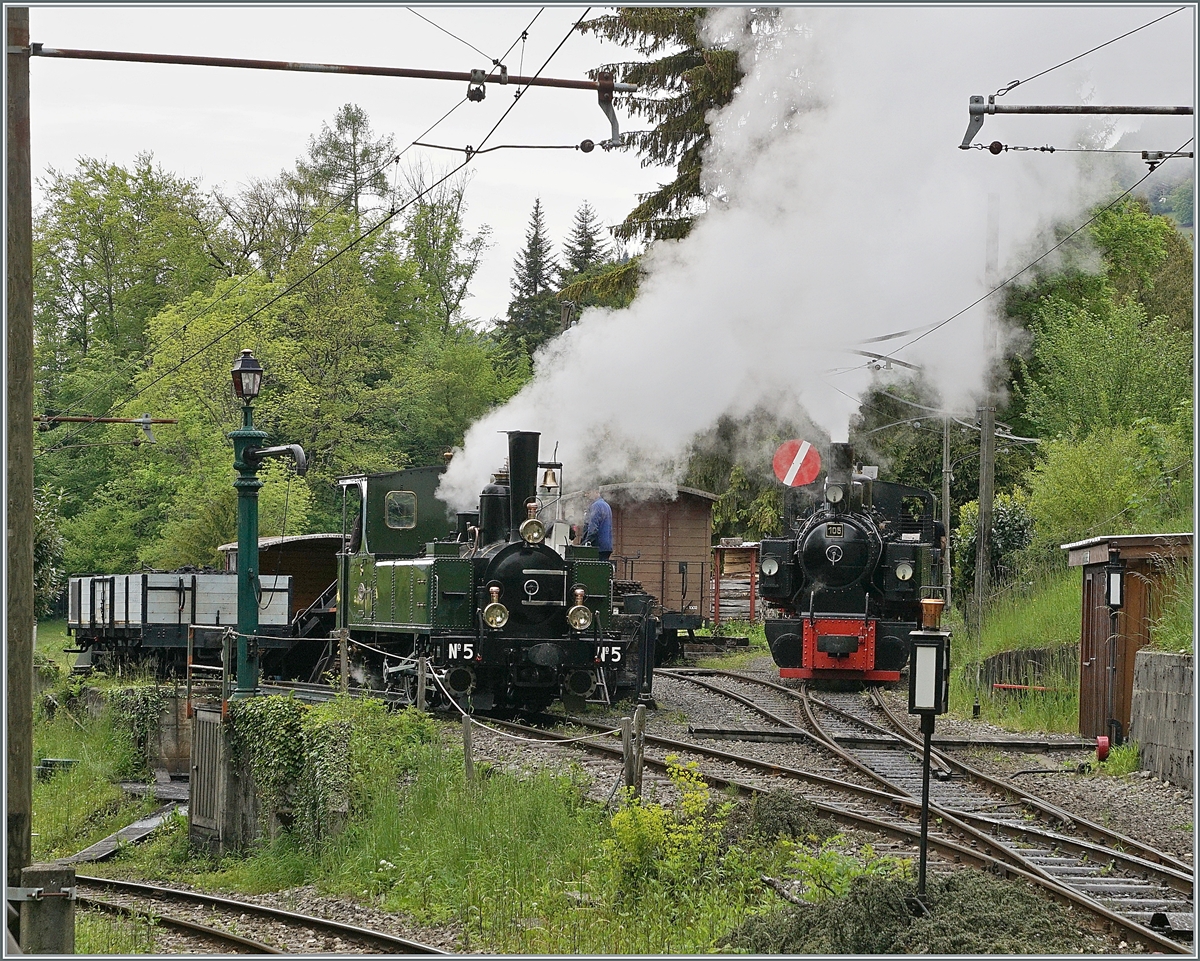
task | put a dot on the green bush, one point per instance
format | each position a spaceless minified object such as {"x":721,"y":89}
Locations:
{"x":1084,"y":488}
{"x":1012,"y":533}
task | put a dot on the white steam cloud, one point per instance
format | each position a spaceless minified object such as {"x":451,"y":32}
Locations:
{"x":843,"y":211}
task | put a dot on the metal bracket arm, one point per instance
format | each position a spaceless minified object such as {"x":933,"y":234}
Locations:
{"x":37,"y":894}
{"x":605,"y":86}
{"x":256,"y":454}
{"x":978,"y":108}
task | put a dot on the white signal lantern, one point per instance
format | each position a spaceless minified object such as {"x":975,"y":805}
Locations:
{"x":579,"y":617}
{"x":904,"y":571}
{"x":769,"y":565}
{"x":834,"y":493}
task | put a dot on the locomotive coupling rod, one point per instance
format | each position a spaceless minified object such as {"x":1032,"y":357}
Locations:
{"x":465,"y":76}
{"x":295,"y":451}
{"x":980,"y":107}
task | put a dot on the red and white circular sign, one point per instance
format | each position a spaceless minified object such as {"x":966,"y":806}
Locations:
{"x":797,"y":463}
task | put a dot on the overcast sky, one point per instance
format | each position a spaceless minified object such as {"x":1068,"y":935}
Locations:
{"x":227,"y":126}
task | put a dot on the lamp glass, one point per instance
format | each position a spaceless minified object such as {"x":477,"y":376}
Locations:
{"x":1114,"y":588}
{"x":247,"y":376}
{"x":925,"y":664}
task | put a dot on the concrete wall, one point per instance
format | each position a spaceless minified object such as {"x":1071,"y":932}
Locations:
{"x":171,"y":746}
{"x":1161,"y":716}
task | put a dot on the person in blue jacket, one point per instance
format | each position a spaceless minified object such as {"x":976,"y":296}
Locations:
{"x":597,"y":529}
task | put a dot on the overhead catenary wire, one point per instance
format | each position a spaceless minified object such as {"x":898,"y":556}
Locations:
{"x":454,"y":35}
{"x":392,"y":213}
{"x":1016,"y":83}
{"x":1033,"y":263}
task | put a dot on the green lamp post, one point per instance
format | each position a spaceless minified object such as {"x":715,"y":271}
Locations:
{"x":247,"y":456}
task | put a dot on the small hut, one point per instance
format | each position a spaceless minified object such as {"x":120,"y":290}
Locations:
{"x":1111,"y":637}
{"x":662,"y":537}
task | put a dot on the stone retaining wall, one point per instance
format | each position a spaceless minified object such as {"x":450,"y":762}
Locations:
{"x":1161,"y":716}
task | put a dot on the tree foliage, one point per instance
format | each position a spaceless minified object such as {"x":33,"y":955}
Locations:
{"x":147,"y":288}
{"x":684,"y":80}
{"x":347,"y":163}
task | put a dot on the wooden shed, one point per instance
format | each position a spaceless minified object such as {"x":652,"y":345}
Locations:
{"x":1106,"y":654}
{"x":662,"y":536}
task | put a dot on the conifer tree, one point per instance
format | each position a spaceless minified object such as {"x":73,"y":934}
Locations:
{"x":534,"y":312}
{"x":675,"y":91}
{"x":585,"y":247}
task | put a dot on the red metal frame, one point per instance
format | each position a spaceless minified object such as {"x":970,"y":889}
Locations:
{"x":859,"y":665}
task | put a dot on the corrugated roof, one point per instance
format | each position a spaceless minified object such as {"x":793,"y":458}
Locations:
{"x":275,"y":541}
{"x":1131,"y":540}
{"x":647,"y":490}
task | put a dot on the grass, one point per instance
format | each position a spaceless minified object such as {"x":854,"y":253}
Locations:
{"x":1041,"y":613}
{"x":97,"y":932}
{"x":739,"y":658}
{"x":515,"y":864}
{"x":1174,"y":629}
{"x":50,"y":660}
{"x":78,"y":807}
{"x":526,"y":865}
{"x":1121,"y":761}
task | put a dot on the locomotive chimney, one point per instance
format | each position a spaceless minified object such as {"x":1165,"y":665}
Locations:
{"x":841,"y":463}
{"x":522,"y":476}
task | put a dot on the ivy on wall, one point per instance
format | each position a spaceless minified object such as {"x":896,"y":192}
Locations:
{"x":314,"y":766}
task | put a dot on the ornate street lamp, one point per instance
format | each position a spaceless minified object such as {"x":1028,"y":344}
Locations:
{"x":247,"y":456}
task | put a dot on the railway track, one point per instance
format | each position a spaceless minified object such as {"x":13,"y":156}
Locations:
{"x":1141,"y":891}
{"x":225,"y":921}
{"x":1145,"y":892}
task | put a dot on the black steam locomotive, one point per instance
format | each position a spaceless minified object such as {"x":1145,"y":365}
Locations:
{"x":507,"y":613}
{"x":849,"y":577}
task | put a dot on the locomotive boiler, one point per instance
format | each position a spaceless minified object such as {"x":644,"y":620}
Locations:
{"x":848,"y":577}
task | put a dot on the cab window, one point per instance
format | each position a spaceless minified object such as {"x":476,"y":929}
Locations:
{"x":400,"y":510}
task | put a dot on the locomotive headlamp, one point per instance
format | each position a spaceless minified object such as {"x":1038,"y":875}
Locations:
{"x":834,"y":493}
{"x":532,"y":530}
{"x":579,"y":617}
{"x":770,"y":566}
{"x":247,"y":376}
{"x":495,"y":615}
{"x":904,"y":571}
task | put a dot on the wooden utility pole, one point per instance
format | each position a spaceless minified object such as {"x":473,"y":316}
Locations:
{"x":19,"y":529}
{"x":987,"y":438}
{"x":946,"y":506}
{"x":987,"y":485}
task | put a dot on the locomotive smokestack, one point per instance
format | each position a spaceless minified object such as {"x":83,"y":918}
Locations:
{"x":522,"y":475}
{"x":841,"y":463}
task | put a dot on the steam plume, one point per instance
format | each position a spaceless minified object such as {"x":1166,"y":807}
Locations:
{"x":840,"y":210}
